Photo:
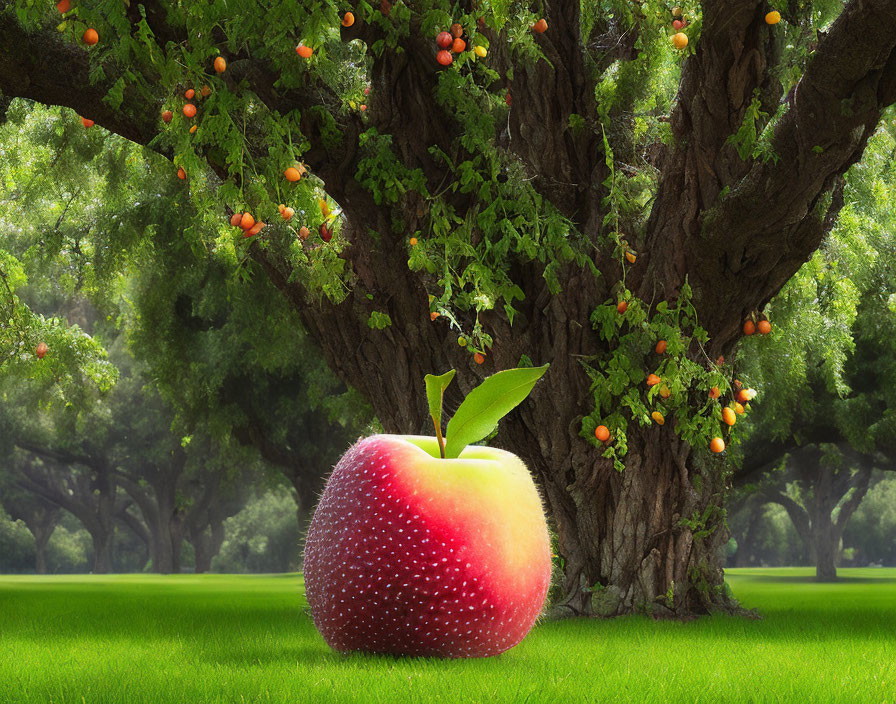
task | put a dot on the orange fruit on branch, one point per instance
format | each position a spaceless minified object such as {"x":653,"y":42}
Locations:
{"x":255,"y":229}
{"x":304,"y":51}
{"x":444,"y":40}
{"x":458,"y":45}
{"x":749,"y":327}
{"x":479,"y":358}
{"x":738,"y":408}
{"x":679,"y":40}
{"x":621,"y":307}
{"x":189,"y":94}
{"x":714,"y":392}
{"x":653,"y":380}
{"x":287,"y":214}
{"x":658,"y":418}
{"x":433,"y":315}
{"x":220,"y":65}
{"x":63,"y":6}
{"x":773,"y":17}
{"x":181,"y":174}
{"x":41,"y":350}
{"x":728,"y":416}
{"x":660,"y":347}
{"x":717,"y":445}
{"x":457,"y":31}
{"x":235,"y":219}
{"x":444,"y":57}
{"x":190,"y":110}
{"x":247,"y":222}
{"x":87,"y":123}
{"x":348,"y":19}
{"x":292,"y":174}
{"x":90,"y":37}
{"x":764,"y":327}
{"x":541,"y":26}
{"x":602,"y":433}
{"x":304,"y":232}
{"x":167,"y":115}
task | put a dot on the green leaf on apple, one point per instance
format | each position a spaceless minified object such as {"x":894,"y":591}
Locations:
{"x":435,"y":390}
{"x":485,"y":405}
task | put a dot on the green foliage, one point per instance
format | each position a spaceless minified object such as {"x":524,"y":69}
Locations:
{"x":831,"y":356}
{"x":751,"y":139}
{"x":263,"y":537}
{"x":618,"y":376}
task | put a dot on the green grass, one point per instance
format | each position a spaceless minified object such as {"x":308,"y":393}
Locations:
{"x":217,"y":638}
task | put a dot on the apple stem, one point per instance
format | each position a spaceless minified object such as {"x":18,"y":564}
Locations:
{"x":439,"y":436}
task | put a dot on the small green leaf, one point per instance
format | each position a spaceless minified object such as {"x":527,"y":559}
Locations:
{"x":435,"y":389}
{"x":485,"y":405}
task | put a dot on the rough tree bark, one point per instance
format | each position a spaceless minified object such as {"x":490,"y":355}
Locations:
{"x":735,"y":229}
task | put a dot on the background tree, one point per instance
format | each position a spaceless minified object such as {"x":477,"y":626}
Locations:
{"x":827,"y":420}
{"x":524,"y":179}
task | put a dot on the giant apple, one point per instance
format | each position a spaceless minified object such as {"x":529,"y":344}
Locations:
{"x":411,"y":554}
{"x":414,"y":554}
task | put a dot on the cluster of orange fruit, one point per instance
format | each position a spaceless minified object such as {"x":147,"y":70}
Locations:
{"x":757,"y":323}
{"x":450,"y":43}
{"x":247,"y":224}
{"x":41,"y":350}
{"x":729,"y":413}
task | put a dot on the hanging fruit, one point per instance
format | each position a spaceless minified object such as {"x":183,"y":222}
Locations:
{"x":680,"y":40}
{"x":444,"y":40}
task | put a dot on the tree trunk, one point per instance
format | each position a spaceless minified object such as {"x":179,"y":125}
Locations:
{"x":646,"y":540}
{"x":41,"y":538}
{"x":102,"y":557}
{"x":826,"y":546}
{"x":206,"y":544}
{"x":743,"y":557}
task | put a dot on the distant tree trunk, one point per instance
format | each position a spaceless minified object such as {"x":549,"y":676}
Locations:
{"x":102,"y":551}
{"x":744,"y":555}
{"x":40,"y":550}
{"x":41,"y":522}
{"x":206,"y":544}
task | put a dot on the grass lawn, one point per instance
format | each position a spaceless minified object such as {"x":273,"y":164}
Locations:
{"x":220,"y":638}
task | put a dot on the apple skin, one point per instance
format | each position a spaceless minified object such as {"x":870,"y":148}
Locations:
{"x":410,"y":554}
